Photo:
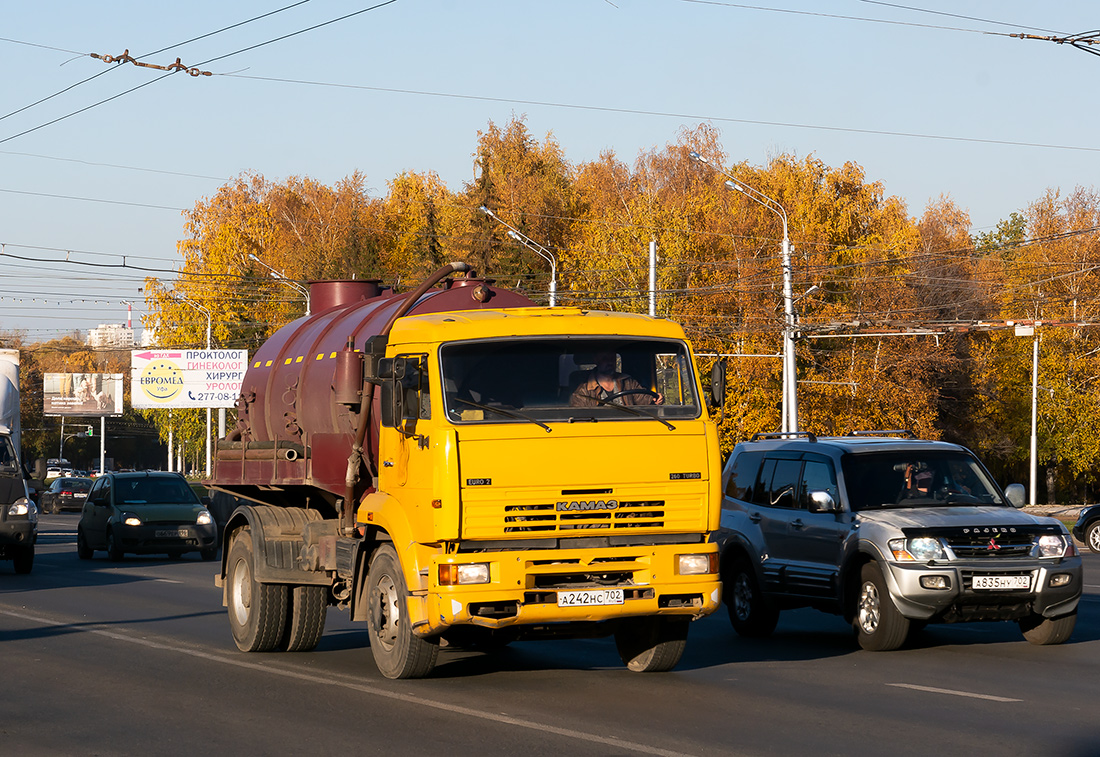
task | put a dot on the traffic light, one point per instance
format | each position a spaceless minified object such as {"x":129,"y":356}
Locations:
{"x":88,"y":432}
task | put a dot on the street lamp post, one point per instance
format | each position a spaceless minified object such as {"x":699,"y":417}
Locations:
{"x":535,"y":247}
{"x":209,"y":320}
{"x":280,"y":276}
{"x":790,"y":378}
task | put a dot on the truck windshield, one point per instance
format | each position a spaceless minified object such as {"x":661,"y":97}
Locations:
{"x":914,"y":478}
{"x":568,"y":379}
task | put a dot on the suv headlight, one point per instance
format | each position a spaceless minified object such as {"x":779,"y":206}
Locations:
{"x":129,"y":519}
{"x":917,"y":549}
{"x":204,"y":518}
{"x":1052,"y":545}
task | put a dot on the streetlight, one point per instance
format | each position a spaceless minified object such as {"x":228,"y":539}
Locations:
{"x":209,"y":319}
{"x":280,"y":276}
{"x":790,"y":379}
{"x":535,"y":247}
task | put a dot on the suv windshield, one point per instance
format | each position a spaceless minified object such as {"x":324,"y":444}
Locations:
{"x":153,"y":491}
{"x":568,"y":379}
{"x":915,"y":478}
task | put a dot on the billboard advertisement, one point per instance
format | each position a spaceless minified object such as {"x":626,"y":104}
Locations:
{"x":82,"y":394}
{"x":186,"y":378}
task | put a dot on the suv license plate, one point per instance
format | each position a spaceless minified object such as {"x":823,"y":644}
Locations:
{"x":590,"y":597}
{"x":1003,"y":583}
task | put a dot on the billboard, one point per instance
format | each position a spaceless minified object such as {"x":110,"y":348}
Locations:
{"x":186,"y":378}
{"x":82,"y":394}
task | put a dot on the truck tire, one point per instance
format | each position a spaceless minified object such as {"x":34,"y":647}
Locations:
{"x":305,"y":618}
{"x":83,"y":551}
{"x":651,"y":645}
{"x":257,"y":612}
{"x":23,"y":559}
{"x":1044,"y":631}
{"x":879,"y":626}
{"x":750,"y":614}
{"x":114,"y":549}
{"x":397,"y":651}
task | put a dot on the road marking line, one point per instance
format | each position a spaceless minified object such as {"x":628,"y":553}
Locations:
{"x":970,"y":694}
{"x":328,"y":681}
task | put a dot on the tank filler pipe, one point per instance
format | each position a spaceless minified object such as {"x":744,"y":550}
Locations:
{"x":367,"y":401}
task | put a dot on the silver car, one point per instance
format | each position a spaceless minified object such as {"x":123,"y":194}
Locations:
{"x":891,"y":532}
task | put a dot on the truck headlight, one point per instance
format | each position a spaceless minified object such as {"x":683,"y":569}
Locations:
{"x":1050,"y":545}
{"x":452,"y":574}
{"x":917,"y":549}
{"x":204,"y":518}
{"x":129,"y":519}
{"x":697,"y":565}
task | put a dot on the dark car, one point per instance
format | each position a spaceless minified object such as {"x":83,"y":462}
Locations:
{"x":1087,"y":527}
{"x":145,"y":513}
{"x":64,"y":494}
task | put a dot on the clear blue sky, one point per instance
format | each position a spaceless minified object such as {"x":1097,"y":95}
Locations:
{"x":843,"y":80}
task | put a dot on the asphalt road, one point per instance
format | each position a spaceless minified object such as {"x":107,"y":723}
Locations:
{"x":105,"y":658}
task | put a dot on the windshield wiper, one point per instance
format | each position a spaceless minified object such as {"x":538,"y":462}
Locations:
{"x":634,"y":411}
{"x":509,"y":413}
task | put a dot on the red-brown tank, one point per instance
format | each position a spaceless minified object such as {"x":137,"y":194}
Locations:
{"x":291,"y":430}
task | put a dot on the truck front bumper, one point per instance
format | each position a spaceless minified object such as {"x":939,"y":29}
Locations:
{"x":17,"y":533}
{"x":525,"y":586}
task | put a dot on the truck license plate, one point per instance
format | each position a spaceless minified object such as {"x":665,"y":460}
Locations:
{"x":172,"y":533}
{"x":590,"y":597}
{"x":1002,"y":583}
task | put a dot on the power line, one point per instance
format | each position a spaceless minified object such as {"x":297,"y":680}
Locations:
{"x":666,"y":114}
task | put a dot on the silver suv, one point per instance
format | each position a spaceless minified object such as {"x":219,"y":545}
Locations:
{"x":891,"y":532}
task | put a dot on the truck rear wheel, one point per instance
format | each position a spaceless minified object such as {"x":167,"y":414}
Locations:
{"x":305,"y":618}
{"x":651,"y":645}
{"x":24,"y":559}
{"x":257,"y":612}
{"x":397,"y":651}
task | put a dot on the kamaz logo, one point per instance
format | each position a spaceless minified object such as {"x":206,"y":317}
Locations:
{"x":600,"y":504}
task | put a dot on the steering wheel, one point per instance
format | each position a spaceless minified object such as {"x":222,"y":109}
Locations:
{"x":625,"y":392}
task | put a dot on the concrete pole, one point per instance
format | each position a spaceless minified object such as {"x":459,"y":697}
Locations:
{"x":653,"y":277}
{"x":1034,"y":417}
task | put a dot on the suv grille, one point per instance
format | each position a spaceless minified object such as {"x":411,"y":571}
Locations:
{"x":977,"y":546}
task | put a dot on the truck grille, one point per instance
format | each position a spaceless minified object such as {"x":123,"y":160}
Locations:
{"x":546,"y":518}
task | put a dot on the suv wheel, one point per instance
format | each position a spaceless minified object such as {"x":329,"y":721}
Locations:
{"x":750,"y":614}
{"x":879,"y":626}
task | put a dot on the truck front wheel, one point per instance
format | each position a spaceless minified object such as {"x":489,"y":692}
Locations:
{"x":397,"y":651}
{"x":651,"y":645}
{"x":257,"y":611}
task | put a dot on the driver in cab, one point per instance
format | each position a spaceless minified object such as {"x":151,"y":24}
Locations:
{"x":603,"y":385}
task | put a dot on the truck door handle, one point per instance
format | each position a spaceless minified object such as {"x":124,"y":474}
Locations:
{"x":796,"y":524}
{"x":755,"y":517}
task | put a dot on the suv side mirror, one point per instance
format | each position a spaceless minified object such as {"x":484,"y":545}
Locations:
{"x":1016,"y":495}
{"x":820,"y":501}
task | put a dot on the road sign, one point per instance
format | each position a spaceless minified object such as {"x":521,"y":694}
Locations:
{"x":186,"y":378}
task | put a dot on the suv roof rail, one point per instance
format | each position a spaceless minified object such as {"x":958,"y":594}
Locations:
{"x":759,"y":435}
{"x":893,"y":432}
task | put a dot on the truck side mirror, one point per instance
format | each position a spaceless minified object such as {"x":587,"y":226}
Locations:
{"x":390,"y":403}
{"x":718,"y":386}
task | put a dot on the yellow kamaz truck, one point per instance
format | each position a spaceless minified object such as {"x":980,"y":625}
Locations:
{"x":459,"y":468}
